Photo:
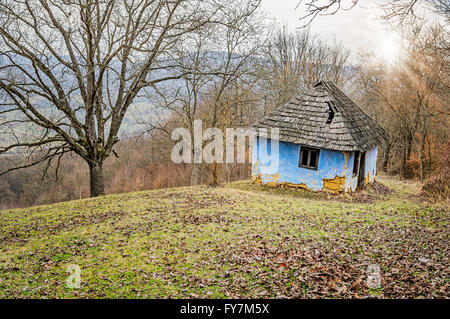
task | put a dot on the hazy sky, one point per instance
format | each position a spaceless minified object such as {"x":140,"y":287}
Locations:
{"x":356,"y":28}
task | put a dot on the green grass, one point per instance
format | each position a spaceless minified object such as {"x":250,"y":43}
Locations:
{"x":241,"y":240}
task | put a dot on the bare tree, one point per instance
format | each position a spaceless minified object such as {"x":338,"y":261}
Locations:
{"x":220,"y":59}
{"x":70,"y":69}
{"x":296,"y":61}
{"x":411,"y":99}
{"x":396,"y":11}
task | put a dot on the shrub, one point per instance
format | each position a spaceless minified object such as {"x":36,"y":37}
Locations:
{"x":437,"y":187}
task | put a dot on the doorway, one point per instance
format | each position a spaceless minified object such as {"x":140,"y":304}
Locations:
{"x":362,"y":169}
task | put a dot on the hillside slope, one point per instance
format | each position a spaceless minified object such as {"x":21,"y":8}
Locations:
{"x":241,"y":240}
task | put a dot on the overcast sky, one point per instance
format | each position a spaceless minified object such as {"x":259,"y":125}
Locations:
{"x":356,"y":28}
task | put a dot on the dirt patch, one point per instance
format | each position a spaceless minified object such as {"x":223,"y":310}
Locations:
{"x":362,"y":197}
{"x":368,"y":194}
{"x":379,"y":188}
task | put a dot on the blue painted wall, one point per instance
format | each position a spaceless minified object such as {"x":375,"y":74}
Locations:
{"x":331,"y":164}
{"x":371,"y":164}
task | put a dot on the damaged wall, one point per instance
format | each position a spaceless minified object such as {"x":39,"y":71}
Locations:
{"x":371,"y":165}
{"x":370,"y":169}
{"x":330,"y":168}
{"x":334,"y":172}
{"x":351,"y":182}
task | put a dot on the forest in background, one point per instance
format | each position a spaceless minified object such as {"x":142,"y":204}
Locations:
{"x":233,"y":85}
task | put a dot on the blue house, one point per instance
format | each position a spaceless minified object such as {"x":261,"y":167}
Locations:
{"x":325,"y":143}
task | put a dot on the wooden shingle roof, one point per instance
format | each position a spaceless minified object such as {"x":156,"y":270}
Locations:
{"x":304,"y":121}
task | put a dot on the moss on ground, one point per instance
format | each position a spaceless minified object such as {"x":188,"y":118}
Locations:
{"x":237,"y":241}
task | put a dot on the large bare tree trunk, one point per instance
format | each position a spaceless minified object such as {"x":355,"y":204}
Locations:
{"x":97,"y":181}
{"x":94,"y":48}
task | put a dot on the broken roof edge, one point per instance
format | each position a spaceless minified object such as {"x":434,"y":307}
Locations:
{"x":352,"y":148}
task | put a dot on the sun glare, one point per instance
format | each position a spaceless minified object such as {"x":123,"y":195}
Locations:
{"x":389,"y":49}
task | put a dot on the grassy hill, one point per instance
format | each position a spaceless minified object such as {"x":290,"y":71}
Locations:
{"x":240,"y":240}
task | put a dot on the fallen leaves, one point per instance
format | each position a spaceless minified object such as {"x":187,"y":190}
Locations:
{"x":227,"y":243}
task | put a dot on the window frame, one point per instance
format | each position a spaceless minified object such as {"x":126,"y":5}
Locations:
{"x":300,"y":157}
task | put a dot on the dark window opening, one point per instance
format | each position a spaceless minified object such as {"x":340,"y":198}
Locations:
{"x":331,"y":112}
{"x":309,"y":158}
{"x":356,"y":163}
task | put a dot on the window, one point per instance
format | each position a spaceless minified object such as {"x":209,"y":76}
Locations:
{"x":356,"y":163}
{"x":309,"y":158}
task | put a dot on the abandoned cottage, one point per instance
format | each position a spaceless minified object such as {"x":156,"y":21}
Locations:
{"x":326,"y":143}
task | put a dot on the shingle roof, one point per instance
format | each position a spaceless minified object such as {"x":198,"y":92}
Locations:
{"x":304,"y":121}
